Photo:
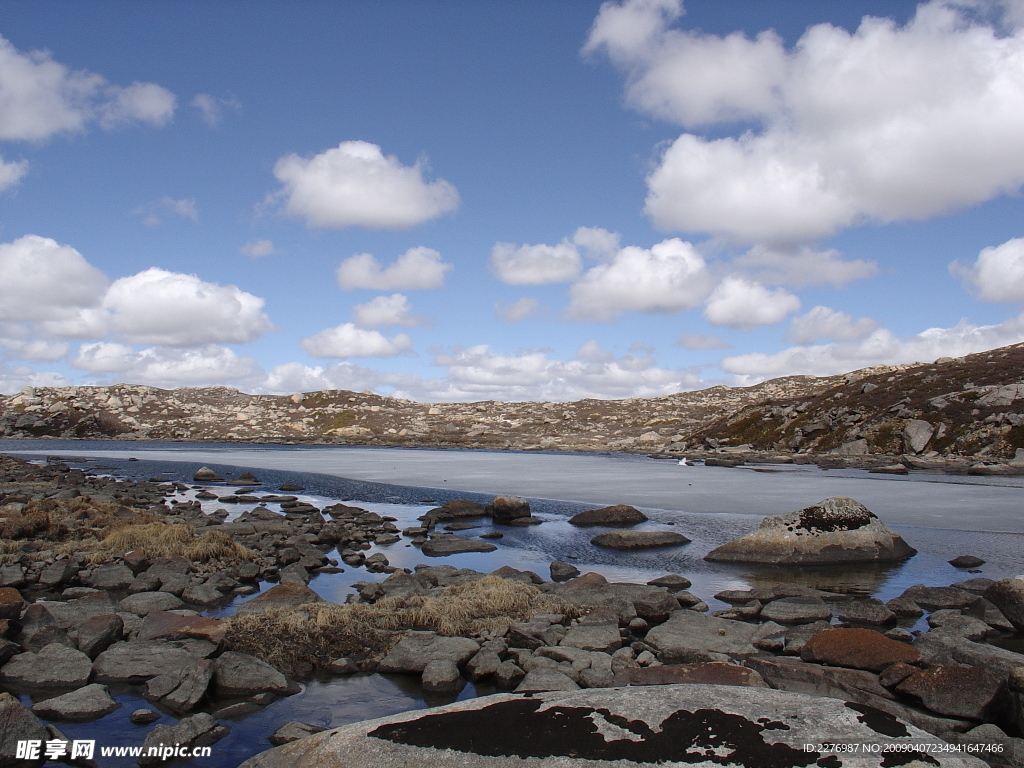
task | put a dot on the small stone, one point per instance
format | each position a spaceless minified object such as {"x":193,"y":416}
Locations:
{"x":144,"y":716}
{"x":563,"y":571}
{"x":442,"y":676}
{"x":293,"y":731}
{"x":967,"y":561}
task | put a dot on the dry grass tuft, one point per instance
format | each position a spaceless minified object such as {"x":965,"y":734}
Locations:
{"x":321,"y":632}
{"x":168,"y":540}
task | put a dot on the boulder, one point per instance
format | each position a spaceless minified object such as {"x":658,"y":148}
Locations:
{"x":17,"y":724}
{"x":98,"y":633}
{"x":55,"y":666}
{"x":163,"y":625}
{"x":144,"y":603}
{"x":199,"y":730}
{"x":938,"y":598}
{"x":857,"y":648}
{"x":865,"y":610}
{"x":672,"y":582}
{"x":137,"y":661}
{"x":836,"y":530}
{"x":709,"y":673}
{"x":967,"y":561}
{"x":546,"y":679}
{"x":239,"y":674}
{"x":563,"y":571}
{"x":796,"y":610}
{"x":11,"y":603}
{"x":591,"y":590}
{"x":417,"y":649}
{"x":957,"y":691}
{"x":280,"y":596}
{"x":293,"y":731}
{"x":89,"y":703}
{"x":1008,"y":596}
{"x":181,"y":689}
{"x":639,"y":539}
{"x":689,"y":637}
{"x":593,"y":637}
{"x":204,"y":595}
{"x":938,"y":647}
{"x":482,"y":665}
{"x":916,"y":435}
{"x":449,"y":544}
{"x":506,"y":508}
{"x":619,"y":514}
{"x":206,"y":475}
{"x":442,"y":676}
{"x":695,"y":725}
{"x":111,"y":577}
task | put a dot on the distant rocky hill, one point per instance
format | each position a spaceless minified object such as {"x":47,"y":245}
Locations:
{"x":970,"y":406}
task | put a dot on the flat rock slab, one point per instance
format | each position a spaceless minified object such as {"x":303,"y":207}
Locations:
{"x":450,"y":544}
{"x":89,"y":703}
{"x":694,"y":725}
{"x":690,"y":637}
{"x":710,"y":673}
{"x":857,"y":648}
{"x":281,"y":596}
{"x":618,"y":514}
{"x":139,"y":660}
{"x":417,"y":649}
{"x":639,"y":539}
{"x":836,"y":530}
{"x":55,"y":666}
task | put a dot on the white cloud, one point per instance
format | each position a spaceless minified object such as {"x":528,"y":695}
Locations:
{"x":11,"y":172}
{"x":536,"y":264}
{"x":700,"y":341}
{"x":417,"y":269}
{"x":346,"y":340}
{"x":15,"y":378}
{"x":998,"y":273}
{"x":885,"y":124}
{"x":479,"y":373}
{"x":173,"y":309}
{"x":826,"y":323}
{"x":739,"y":303}
{"x":296,"y":377}
{"x":386,"y":312}
{"x":518,"y":310}
{"x":40,"y":97}
{"x":211,"y":108}
{"x":670,"y":277}
{"x":41,"y":280}
{"x":36,"y":350}
{"x":597,"y":243}
{"x":355,"y":184}
{"x":881,"y":347}
{"x":257,"y":248}
{"x":803,"y":266}
{"x":152,"y":213}
{"x":168,"y":367}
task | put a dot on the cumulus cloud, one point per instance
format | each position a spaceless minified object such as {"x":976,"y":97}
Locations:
{"x":739,"y":303}
{"x":254,"y":249}
{"x":803,"y":266}
{"x":11,"y":172}
{"x":826,"y":323}
{"x":346,"y":340}
{"x":998,"y":272}
{"x":386,"y":312}
{"x":206,"y":365}
{"x":700,"y":341}
{"x":669,"y":277}
{"x":535,"y":264}
{"x":356,"y":185}
{"x":153,"y":213}
{"x":211,"y":108}
{"x":884,"y":124}
{"x":35,"y":350}
{"x":40,"y":97}
{"x":14,"y":378}
{"x":518,"y":310}
{"x":880,"y":347}
{"x":417,"y":269}
{"x":41,"y":280}
{"x":597,"y":243}
{"x":173,"y":309}
{"x":480,"y":373}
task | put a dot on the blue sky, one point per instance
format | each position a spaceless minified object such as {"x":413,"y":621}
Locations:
{"x":531,"y":200}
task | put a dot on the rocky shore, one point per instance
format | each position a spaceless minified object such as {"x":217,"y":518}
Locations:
{"x":104,"y":583}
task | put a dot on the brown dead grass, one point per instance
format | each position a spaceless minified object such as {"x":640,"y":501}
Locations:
{"x":321,"y":632}
{"x":158,"y":539}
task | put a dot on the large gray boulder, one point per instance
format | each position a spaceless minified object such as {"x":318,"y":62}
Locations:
{"x":17,"y":724}
{"x":55,"y":666}
{"x":446,"y":544}
{"x":836,"y":530}
{"x":138,"y":661}
{"x":1008,"y":596}
{"x":417,"y":649}
{"x":694,"y":725}
{"x":89,"y":703}
{"x":690,"y":637}
{"x":916,"y":435}
{"x":239,"y":674}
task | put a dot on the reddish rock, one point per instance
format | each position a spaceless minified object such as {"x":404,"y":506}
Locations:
{"x":163,"y":625}
{"x":957,"y":691}
{"x":857,"y":648}
{"x":709,"y":673}
{"x":11,"y":603}
{"x":896,"y":673}
{"x":619,"y":514}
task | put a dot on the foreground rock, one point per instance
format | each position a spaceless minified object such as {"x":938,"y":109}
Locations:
{"x":698,"y":725}
{"x":836,"y":530}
